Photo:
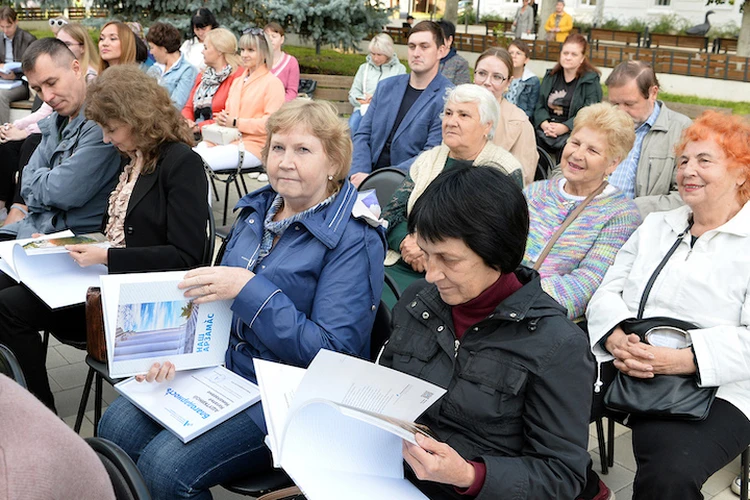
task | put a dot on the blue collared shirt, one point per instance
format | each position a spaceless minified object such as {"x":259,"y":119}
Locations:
{"x":178,"y":81}
{"x":624,"y":175}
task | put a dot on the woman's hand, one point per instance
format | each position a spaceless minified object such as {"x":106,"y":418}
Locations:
{"x":640,"y":360}
{"x":158,"y":373}
{"x":190,"y":123}
{"x":412,"y":254}
{"x":559,"y":129}
{"x":223,"y":119}
{"x":10,"y":133}
{"x":356,"y":179}
{"x":434,"y":461}
{"x":88,"y":255}
{"x":207,"y":284}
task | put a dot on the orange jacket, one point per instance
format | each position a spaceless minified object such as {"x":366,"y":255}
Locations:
{"x":252,"y":102}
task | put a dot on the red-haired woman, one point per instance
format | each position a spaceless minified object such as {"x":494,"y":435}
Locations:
{"x":571,"y":85}
{"x":704,"y":282}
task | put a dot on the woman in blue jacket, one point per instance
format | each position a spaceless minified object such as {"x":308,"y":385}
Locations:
{"x":304,"y":275}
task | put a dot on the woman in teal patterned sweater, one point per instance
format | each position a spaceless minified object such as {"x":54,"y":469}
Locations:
{"x":602,"y":137}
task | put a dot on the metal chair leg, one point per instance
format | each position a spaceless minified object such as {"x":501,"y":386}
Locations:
{"x":226,"y":203}
{"x":84,"y":400}
{"x":611,"y":441}
{"x":602,"y":446}
{"x":97,"y":404}
{"x":744,"y":470}
{"x":213,"y":185}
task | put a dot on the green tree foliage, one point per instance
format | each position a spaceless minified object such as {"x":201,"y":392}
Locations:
{"x":341,"y":23}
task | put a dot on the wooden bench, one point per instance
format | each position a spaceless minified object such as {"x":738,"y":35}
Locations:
{"x":399,"y":35}
{"x":473,"y":42}
{"x":31,"y":14}
{"x":657,"y":40}
{"x":505,"y":26}
{"x":76,"y":13}
{"x":619,"y":36}
{"x":333,"y":88}
{"x":725,"y":44}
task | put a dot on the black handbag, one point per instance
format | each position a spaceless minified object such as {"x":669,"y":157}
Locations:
{"x":663,"y":396}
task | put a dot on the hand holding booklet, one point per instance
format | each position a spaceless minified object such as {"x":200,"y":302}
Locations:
{"x":337,"y":427}
{"x":148,"y":320}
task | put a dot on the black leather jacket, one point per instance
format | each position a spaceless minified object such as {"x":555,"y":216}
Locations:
{"x":519,"y":389}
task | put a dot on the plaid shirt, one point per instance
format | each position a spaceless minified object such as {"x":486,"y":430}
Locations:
{"x":624,"y":175}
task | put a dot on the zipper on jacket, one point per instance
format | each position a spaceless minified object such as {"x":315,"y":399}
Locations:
{"x":598,"y":384}
{"x":456,"y":345}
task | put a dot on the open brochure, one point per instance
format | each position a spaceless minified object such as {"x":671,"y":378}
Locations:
{"x":10,"y":67}
{"x":148,"y":320}
{"x":194,"y":402}
{"x":56,"y":244}
{"x":337,"y":427}
{"x":55,"y":278}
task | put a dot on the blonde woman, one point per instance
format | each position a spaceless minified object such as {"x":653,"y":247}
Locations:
{"x":211,"y":89}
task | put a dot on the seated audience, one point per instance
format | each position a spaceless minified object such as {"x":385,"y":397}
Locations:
{"x":155,"y":220}
{"x":704,"y":282}
{"x":382,"y":62}
{"x":14,"y":136}
{"x":559,"y":24}
{"x":575,"y":266}
{"x":202,"y":22}
{"x":470,"y":116}
{"x":178,"y":75}
{"x":117,"y":45}
{"x":71,"y":173}
{"x":16,"y":41}
{"x":649,"y":172}
{"x":286,"y":309}
{"x":571,"y":85}
{"x":452,"y":66}
{"x":518,"y":372}
{"x":209,"y":94}
{"x":404,"y":115}
{"x":41,"y":456}
{"x":524,"y":87}
{"x":285,"y":67}
{"x":514,"y":132}
{"x":254,"y":95}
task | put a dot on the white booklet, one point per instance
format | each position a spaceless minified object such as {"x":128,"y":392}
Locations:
{"x":337,"y":428}
{"x":148,"y":320}
{"x":55,"y":278}
{"x":194,"y":402}
{"x":10,"y":67}
{"x":56,"y":244}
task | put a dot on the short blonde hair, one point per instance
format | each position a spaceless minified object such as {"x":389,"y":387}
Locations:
{"x":81,"y":35}
{"x":616,"y":125}
{"x":261,"y":43}
{"x":225,"y":42}
{"x":320,"y":119}
{"x":381,"y":43}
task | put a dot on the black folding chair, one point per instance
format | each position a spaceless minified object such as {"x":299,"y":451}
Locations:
{"x":10,"y":367}
{"x":384,"y":181}
{"x":127,"y":480}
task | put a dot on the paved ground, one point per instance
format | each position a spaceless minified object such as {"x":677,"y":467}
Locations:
{"x":67,"y":372}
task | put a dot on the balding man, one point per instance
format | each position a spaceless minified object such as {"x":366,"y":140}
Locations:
{"x":69,"y":177}
{"x":649,"y":172}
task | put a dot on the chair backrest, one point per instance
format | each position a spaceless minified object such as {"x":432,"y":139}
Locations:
{"x":381,"y":330}
{"x":544,"y":166}
{"x":384,"y":181}
{"x":127,"y":480}
{"x":10,"y":366}
{"x":208,"y":249}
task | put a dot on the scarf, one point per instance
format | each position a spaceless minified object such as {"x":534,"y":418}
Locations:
{"x":204,"y":94}
{"x":119,"y":199}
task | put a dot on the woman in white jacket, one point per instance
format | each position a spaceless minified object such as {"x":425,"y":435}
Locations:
{"x":705,"y":282}
{"x":382,"y":62}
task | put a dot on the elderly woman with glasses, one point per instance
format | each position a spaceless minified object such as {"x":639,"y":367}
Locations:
{"x":514,"y":132}
{"x":470,"y":116}
{"x":382,"y":62}
{"x":254,"y":95}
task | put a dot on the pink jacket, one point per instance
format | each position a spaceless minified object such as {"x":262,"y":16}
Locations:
{"x":287,"y":70}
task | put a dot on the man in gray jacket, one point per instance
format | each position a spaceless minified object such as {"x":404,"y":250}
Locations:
{"x":649,"y":172}
{"x":68,"y":179}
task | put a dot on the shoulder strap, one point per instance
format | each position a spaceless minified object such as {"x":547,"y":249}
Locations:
{"x":567,"y":222}
{"x":652,"y":279}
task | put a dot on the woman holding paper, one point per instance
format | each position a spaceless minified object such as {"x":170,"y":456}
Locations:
{"x":514,"y":422}
{"x":156,"y":218}
{"x":302,"y":273}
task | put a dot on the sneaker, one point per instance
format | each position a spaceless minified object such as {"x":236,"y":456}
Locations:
{"x":253,"y":175}
{"x":604,"y":493}
{"x":262,"y":178}
{"x":736,"y":485}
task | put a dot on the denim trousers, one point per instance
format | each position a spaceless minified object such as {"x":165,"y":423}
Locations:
{"x":175,"y":470}
{"x":354,"y":120}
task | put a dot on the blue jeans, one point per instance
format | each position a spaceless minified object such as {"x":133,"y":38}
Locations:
{"x":354,"y":120}
{"x":176,"y":470}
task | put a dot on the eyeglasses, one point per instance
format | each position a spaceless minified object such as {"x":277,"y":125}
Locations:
{"x":252,"y":31}
{"x":514,"y":53}
{"x":72,"y":44}
{"x":57,"y":22}
{"x":483,"y":75}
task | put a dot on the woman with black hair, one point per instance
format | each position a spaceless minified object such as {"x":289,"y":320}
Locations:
{"x":514,"y":422}
{"x":201,"y":23}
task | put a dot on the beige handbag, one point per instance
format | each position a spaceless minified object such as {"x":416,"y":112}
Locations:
{"x":220,"y":135}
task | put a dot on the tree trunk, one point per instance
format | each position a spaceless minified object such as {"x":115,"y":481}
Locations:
{"x":743,"y":44}
{"x":451,"y":11}
{"x":317,"y":47}
{"x":546,"y":8}
{"x":599,"y":13}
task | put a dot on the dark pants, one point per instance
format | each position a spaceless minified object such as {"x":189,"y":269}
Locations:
{"x":27,"y":149}
{"x":675,"y":457}
{"x":9,"y":154}
{"x":22,"y":316}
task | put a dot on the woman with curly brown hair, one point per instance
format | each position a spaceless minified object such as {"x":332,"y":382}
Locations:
{"x":156,"y":217}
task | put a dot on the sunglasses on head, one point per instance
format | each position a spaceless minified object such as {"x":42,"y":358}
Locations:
{"x":252,"y":31}
{"x":58,"y":22}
